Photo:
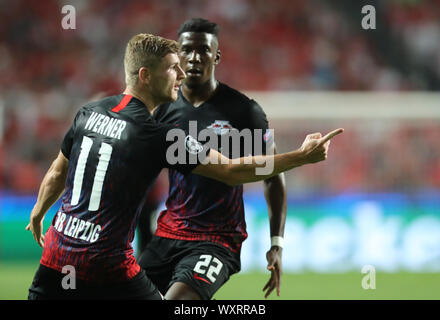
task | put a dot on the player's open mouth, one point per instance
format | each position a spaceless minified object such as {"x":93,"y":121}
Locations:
{"x":193,"y":72}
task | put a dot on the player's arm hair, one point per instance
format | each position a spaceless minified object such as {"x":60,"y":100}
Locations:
{"x":276,"y":199}
{"x":253,"y":168}
{"x":217,"y":166}
{"x":51,"y":187}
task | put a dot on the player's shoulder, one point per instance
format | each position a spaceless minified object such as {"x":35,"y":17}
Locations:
{"x":131,"y":110}
{"x":100,"y":104}
{"x":239,"y":98}
{"x":232,"y":93}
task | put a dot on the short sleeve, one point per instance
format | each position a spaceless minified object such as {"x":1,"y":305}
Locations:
{"x":182,"y":151}
{"x":66,"y":145}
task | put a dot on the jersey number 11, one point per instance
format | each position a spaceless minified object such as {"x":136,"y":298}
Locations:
{"x":105,"y":153}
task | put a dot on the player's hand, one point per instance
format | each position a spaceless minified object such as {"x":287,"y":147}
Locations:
{"x":315,"y":146}
{"x":274,"y":265}
{"x":36,"y":227}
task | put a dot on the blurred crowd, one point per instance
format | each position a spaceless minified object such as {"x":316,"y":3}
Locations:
{"x":48,"y":72}
{"x":371,"y":156}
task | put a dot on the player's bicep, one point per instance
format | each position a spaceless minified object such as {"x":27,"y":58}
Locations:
{"x":60,"y":166}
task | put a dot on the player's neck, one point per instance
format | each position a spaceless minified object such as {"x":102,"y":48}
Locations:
{"x":197,"y":95}
{"x":148,"y":101}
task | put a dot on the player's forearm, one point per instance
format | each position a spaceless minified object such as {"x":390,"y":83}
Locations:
{"x":256,"y":168}
{"x":276,"y":199}
{"x":51,"y":189}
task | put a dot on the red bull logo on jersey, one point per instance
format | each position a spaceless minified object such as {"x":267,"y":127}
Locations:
{"x":221,"y":127}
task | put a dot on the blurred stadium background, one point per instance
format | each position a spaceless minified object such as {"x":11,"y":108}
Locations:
{"x":309,"y":63}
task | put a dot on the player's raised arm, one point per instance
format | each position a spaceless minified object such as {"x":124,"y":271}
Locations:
{"x":51,"y":189}
{"x":216,"y":166}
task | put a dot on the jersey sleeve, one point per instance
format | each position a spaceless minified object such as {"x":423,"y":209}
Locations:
{"x":66,"y":145}
{"x":182,"y":151}
{"x":260,"y":126}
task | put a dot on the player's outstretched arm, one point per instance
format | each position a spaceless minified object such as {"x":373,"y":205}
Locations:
{"x":245,"y":170}
{"x":51,"y":189}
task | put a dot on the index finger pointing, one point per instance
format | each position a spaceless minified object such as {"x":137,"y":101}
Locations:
{"x":330,"y":135}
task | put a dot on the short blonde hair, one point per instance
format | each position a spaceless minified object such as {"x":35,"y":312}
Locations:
{"x":145,"y":50}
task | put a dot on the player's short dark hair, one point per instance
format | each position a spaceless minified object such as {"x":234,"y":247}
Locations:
{"x":199,"y":25}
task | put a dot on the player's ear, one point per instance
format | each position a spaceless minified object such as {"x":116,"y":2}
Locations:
{"x":144,"y":75}
{"x":217,"y":57}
